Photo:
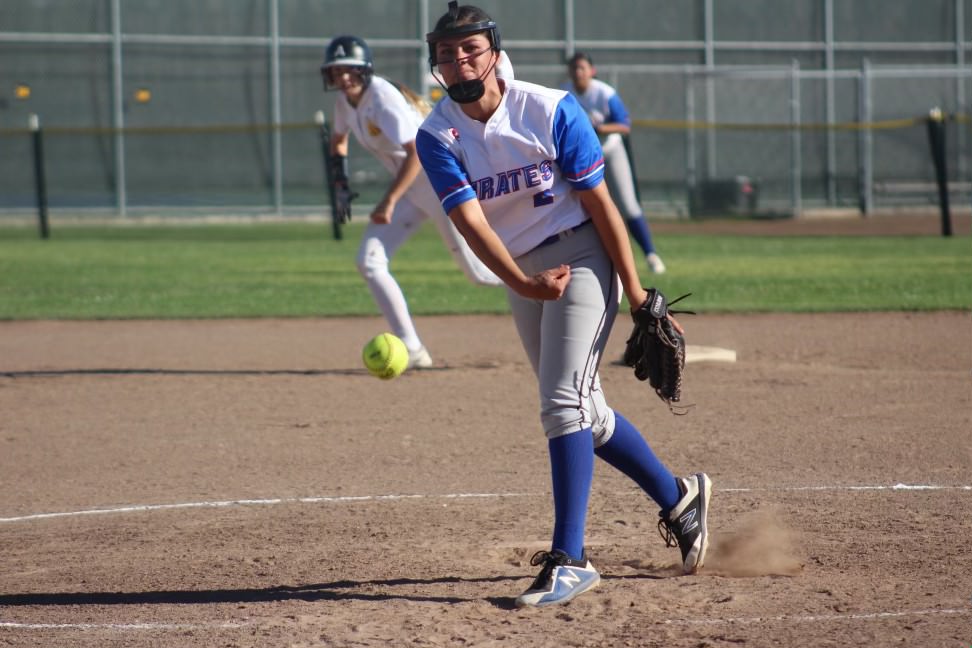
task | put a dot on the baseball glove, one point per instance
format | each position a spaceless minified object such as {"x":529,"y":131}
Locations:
{"x":342,"y":201}
{"x":341,"y":194}
{"x":656,"y":349}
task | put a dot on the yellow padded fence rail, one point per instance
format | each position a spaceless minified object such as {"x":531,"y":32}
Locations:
{"x":656,"y":124}
{"x":215,"y":129}
{"x":886,"y":124}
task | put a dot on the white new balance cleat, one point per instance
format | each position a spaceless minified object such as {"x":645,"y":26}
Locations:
{"x":686,"y":525}
{"x":560,"y":579}
{"x":655,"y":264}
{"x":419,"y":359}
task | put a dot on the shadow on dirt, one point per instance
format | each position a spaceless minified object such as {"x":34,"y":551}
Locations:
{"x":343,"y":590}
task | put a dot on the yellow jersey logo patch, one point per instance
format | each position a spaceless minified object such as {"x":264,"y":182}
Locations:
{"x":373,"y":129}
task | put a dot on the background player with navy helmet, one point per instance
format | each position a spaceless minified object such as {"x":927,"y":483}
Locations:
{"x":385,"y":117}
{"x":519,"y":169}
{"x":610,"y":118}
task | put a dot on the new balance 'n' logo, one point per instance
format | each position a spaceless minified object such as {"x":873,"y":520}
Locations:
{"x":568,"y":578}
{"x":688,"y":520}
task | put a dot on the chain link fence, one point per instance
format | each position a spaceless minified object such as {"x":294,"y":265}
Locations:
{"x":196,"y":108}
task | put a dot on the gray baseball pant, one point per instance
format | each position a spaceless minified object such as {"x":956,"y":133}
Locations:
{"x":565,"y":339}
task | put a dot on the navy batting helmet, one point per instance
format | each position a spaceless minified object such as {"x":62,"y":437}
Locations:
{"x":349,"y":51}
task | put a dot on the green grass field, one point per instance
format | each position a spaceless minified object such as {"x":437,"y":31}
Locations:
{"x":297,"y":270}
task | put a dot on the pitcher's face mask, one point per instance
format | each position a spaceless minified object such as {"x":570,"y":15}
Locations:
{"x":463,"y":76}
{"x":456,"y":49}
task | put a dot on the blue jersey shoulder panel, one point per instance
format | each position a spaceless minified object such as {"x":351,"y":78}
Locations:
{"x":618,"y":113}
{"x":579,"y":153}
{"x":445,"y":171}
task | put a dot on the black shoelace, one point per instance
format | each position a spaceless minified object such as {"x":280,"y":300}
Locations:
{"x":667,"y":534}
{"x":549,"y":561}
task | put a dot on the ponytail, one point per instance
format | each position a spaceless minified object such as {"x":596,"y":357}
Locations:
{"x":413,"y":98}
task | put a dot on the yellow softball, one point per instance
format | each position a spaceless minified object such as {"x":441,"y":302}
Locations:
{"x":385,"y":356}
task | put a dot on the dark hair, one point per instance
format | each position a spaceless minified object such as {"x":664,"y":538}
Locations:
{"x":580,"y":56}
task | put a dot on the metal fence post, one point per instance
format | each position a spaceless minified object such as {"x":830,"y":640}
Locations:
{"x":829,"y":65}
{"x":40,"y":178}
{"x":710,"y":106}
{"x":960,"y":26}
{"x":569,"y":29}
{"x":865,"y":142}
{"x":796,"y":148}
{"x":423,"y":60}
{"x":935,"y":123}
{"x":275,"y":110}
{"x":691,"y":172}
{"x":118,"y":108}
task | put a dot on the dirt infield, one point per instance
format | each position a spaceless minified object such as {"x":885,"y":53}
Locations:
{"x":245,"y":483}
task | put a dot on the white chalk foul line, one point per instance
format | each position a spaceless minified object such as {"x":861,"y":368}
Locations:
{"x":815,"y":618}
{"x":447,"y":496}
{"x":8,"y":625}
{"x":783,"y":618}
{"x":259,"y":502}
{"x":896,"y":487}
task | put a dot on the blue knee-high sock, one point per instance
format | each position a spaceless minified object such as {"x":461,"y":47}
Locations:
{"x":628,"y":451}
{"x":639,"y":230}
{"x":572,"y":468}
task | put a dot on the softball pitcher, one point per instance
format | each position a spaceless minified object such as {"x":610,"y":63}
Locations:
{"x":519,"y":170}
{"x":612,"y":124}
{"x":385,"y":118}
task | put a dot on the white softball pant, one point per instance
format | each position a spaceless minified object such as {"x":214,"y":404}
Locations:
{"x":565,"y":339}
{"x":380,"y":242}
{"x":618,"y":176}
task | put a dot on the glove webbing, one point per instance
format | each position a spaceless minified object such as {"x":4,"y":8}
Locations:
{"x":677,"y":410}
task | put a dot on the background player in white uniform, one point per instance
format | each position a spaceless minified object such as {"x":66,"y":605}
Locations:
{"x":610,"y":118}
{"x":519,"y":170}
{"x":385,"y":118}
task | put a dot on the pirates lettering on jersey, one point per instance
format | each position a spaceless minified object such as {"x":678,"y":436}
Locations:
{"x":505,"y":182}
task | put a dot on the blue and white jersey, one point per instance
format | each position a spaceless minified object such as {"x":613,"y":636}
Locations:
{"x":601,"y":102}
{"x":383,"y":122}
{"x":523,"y":165}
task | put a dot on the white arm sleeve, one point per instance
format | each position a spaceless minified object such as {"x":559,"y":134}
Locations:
{"x":504,"y":69}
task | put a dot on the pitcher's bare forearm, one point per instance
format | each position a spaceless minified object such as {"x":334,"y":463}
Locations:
{"x":469,"y":219}
{"x":611,"y":229}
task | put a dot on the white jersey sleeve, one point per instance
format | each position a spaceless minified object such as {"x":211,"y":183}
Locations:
{"x":394,"y":115}
{"x":342,"y":115}
{"x":504,"y":68}
{"x":382,"y":122}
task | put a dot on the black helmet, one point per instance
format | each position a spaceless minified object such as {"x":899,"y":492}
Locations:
{"x":349,"y":51}
{"x":461,"y":21}
{"x":446,"y":27}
